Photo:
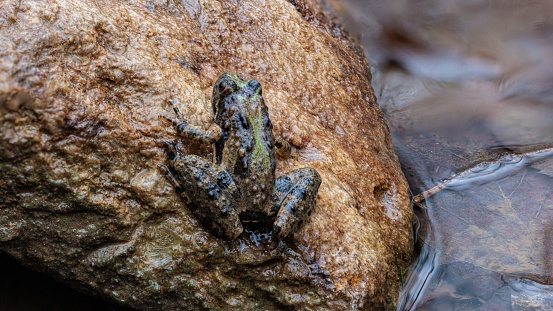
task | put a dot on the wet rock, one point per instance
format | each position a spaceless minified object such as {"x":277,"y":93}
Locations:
{"x":81,"y":86}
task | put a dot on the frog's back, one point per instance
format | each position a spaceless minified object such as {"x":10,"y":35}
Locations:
{"x":246,"y":147}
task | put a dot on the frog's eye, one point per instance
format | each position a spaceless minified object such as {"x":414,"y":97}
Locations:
{"x":255,"y":86}
{"x":226,"y":87}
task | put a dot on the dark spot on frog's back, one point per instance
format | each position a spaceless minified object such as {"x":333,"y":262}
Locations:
{"x":241,"y":166}
{"x":246,"y":141}
{"x":242,"y":119}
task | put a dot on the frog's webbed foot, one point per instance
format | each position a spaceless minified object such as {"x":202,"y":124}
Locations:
{"x":192,"y":132}
{"x":179,"y":121}
{"x":298,"y":192}
{"x":212,"y":193}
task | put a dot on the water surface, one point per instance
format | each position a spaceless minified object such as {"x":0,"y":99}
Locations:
{"x":466,"y":87}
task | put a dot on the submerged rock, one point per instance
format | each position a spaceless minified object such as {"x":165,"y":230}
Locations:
{"x":82,"y":84}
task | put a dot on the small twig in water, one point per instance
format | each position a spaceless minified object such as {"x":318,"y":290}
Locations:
{"x":417,"y":200}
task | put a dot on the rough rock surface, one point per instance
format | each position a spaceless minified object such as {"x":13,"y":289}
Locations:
{"x":81,"y":197}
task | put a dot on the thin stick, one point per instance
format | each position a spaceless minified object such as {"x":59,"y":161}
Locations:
{"x":428,"y":193}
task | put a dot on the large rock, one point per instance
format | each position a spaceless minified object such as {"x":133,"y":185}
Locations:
{"x":82,"y":84}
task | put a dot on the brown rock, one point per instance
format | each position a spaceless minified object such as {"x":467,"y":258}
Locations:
{"x":81,"y":86}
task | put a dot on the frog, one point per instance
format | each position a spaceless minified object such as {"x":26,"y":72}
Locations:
{"x":238,"y":185}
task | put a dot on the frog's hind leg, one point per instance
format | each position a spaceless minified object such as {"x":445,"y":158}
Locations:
{"x":212,"y":193}
{"x":298,"y":192}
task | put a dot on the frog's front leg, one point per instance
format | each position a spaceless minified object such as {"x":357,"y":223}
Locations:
{"x":192,"y":132}
{"x":296,"y":193}
{"x":210,"y":192}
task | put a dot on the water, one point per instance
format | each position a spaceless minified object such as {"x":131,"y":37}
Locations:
{"x":490,"y":235}
{"x":466,"y":87}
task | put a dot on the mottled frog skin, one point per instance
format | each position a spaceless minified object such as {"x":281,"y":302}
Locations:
{"x":239,"y":184}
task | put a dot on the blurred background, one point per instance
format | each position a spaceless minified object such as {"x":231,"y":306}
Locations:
{"x":467,"y":90}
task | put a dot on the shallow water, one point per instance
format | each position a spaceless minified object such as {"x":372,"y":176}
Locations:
{"x":466,"y":87}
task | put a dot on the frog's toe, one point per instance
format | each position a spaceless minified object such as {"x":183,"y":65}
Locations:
{"x":298,"y":202}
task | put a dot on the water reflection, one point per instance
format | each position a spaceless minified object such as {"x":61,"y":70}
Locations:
{"x":423,"y":273}
{"x":489,"y":223}
{"x":466,"y":86}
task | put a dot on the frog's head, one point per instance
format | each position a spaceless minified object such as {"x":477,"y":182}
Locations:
{"x":230,"y":83}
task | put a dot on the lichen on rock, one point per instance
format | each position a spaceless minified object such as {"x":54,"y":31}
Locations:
{"x":82,"y":84}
